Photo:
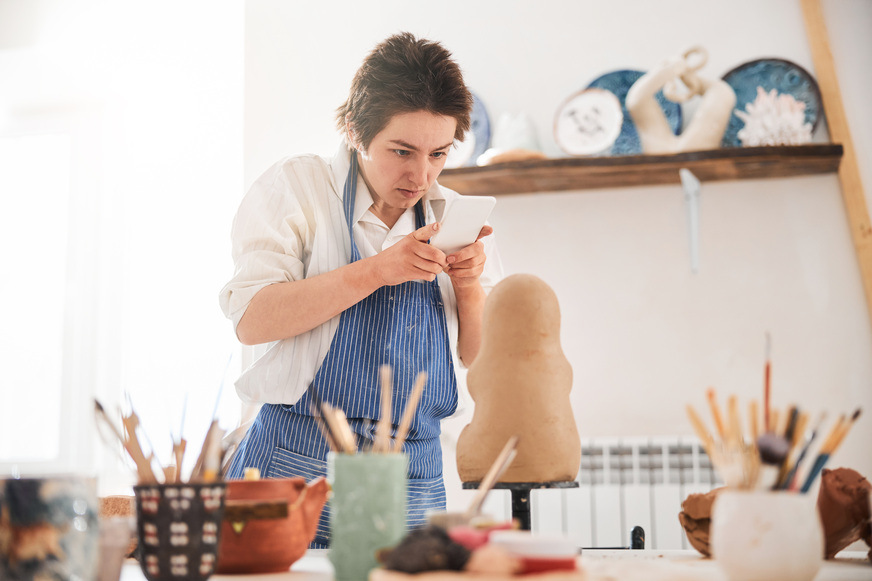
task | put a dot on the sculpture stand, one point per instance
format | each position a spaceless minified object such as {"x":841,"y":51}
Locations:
{"x":521,"y":496}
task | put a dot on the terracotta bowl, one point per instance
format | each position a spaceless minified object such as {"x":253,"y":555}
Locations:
{"x":268,"y":524}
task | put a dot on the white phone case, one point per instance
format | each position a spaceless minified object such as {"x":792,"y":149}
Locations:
{"x":463,"y":220}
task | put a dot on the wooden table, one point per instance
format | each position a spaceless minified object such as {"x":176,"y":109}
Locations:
{"x":599,"y":564}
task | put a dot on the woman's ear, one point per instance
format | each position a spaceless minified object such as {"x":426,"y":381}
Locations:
{"x":351,"y":135}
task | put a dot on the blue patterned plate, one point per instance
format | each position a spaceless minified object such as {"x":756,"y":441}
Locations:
{"x":771,"y":73}
{"x":477,"y":139}
{"x":619,"y":83}
{"x":481,"y":127}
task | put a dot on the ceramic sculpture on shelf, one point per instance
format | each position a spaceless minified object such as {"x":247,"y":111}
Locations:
{"x":708,"y":122}
{"x":514,"y":140}
{"x":520,"y":382}
{"x":774,"y":119}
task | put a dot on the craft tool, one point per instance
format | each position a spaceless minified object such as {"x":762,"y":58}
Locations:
{"x":383,"y":428}
{"x":409,"y":412}
{"x":829,"y":447}
{"x":499,"y":466}
{"x":767,"y":383}
{"x":716,"y":412}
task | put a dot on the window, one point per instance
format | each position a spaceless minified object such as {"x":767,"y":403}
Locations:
{"x":48,"y":282}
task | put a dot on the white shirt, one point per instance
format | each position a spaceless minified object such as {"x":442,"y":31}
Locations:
{"x":289,"y":226}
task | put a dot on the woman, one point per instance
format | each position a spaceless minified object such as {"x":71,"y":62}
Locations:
{"x":334,"y":269}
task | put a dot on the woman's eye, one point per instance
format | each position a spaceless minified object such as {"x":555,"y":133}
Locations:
{"x":401,"y":152}
{"x":438,"y":154}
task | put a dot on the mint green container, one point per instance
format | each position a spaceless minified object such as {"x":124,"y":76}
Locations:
{"x":367,"y":509}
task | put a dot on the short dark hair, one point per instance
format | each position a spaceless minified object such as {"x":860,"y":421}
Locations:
{"x":403,"y":74}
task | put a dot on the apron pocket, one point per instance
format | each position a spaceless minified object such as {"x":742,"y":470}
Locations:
{"x":287,"y":464}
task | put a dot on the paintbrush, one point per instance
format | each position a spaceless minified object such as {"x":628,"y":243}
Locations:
{"x":409,"y":412}
{"x":383,"y":428}
{"x":716,"y":413}
{"x":767,"y":383}
{"x":702,"y":433}
{"x":753,"y":420}
{"x":790,"y":479}
{"x":499,"y":466}
{"x":315,"y":407}
{"x":199,"y":473}
{"x":335,"y":419}
{"x":832,"y":443}
{"x":103,"y":418}
{"x":794,"y":433}
{"x":143,"y":464}
{"x":180,"y":445}
{"x":347,"y":434}
{"x":734,"y":436}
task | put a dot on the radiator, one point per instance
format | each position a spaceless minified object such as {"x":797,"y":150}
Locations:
{"x":623,"y":483}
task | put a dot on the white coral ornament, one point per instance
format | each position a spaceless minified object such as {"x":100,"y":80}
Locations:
{"x":774,"y":119}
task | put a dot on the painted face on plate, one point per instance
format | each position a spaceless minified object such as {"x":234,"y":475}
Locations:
{"x":404,"y":159}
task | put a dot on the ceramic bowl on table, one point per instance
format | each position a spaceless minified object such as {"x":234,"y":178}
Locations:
{"x":178,"y":528}
{"x":48,"y":528}
{"x":268,"y":524}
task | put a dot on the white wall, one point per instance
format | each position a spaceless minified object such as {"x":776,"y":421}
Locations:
{"x":643,"y":334}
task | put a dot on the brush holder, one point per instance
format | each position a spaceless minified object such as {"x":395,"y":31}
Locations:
{"x":766,"y":536}
{"x":49,"y":528}
{"x":178,"y":528}
{"x":367,"y":509}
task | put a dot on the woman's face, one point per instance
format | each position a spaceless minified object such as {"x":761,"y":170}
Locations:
{"x":404,"y":159}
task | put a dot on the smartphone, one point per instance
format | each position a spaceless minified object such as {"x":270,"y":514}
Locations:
{"x":463,"y":220}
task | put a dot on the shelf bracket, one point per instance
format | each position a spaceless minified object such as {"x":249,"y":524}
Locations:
{"x":691,"y":186}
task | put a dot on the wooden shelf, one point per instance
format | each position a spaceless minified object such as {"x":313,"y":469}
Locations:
{"x":733,"y":163}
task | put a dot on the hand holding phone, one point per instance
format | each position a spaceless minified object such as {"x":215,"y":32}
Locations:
{"x":463,"y":220}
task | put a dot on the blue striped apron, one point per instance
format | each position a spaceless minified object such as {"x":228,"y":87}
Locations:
{"x":402,"y":326}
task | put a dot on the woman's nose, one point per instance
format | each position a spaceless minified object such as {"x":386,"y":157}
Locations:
{"x":418,"y":172}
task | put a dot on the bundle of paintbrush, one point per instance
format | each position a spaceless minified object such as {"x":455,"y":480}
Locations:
{"x":771,"y":458}
{"x":735,"y":457}
{"x":149,"y":470}
{"x":341,"y":438}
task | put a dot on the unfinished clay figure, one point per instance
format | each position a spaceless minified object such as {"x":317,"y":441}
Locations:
{"x":520,"y":383}
{"x":709,"y":121}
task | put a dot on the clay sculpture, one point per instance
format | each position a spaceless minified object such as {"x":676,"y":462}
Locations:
{"x":521,"y":382}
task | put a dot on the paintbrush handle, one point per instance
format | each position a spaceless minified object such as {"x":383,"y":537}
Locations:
{"x":815,"y":470}
{"x":716,"y":413}
{"x":700,"y":429}
{"x":409,"y":412}
{"x":383,"y":428}
{"x":753,"y":420}
{"x":496,"y":470}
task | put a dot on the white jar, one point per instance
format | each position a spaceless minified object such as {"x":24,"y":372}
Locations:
{"x":767,"y":536}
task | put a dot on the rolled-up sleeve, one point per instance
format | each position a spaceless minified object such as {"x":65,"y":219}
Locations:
{"x":268,"y":235}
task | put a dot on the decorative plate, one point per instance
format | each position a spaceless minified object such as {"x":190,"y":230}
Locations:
{"x":476,"y":140}
{"x":619,"y":83}
{"x":771,"y":73}
{"x":588,"y":123}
